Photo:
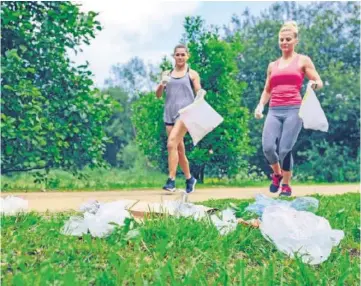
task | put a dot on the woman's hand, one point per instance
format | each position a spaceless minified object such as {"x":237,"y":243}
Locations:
{"x":315,"y":85}
{"x":258,"y":113}
{"x":200,"y":94}
{"x":165,"y":80}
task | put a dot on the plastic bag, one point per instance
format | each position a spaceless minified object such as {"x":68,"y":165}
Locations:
{"x":200,"y":119}
{"x":311,"y":112}
{"x":75,"y":226}
{"x":102,"y":224}
{"x":301,"y":204}
{"x":99,"y":218}
{"x":299,"y":233}
{"x":90,"y":206}
{"x":132,"y":234}
{"x":12,"y":205}
{"x":227,"y":224}
{"x":179,"y":209}
{"x":305,"y":204}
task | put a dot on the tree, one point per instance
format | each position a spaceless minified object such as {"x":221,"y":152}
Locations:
{"x":330,"y":35}
{"x":52,"y":117}
{"x":147,"y":118}
{"x":119,"y":128}
{"x":222,"y":150}
{"x":215,"y":60}
{"x":151,"y":138}
{"x":133,"y":77}
{"x":125,"y":83}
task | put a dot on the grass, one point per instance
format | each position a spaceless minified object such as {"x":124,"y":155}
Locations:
{"x":173,"y":251}
{"x":117,"y":179}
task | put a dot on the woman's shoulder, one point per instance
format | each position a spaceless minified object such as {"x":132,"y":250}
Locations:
{"x":271,"y":65}
{"x":304,"y":58}
{"x":193,"y":74}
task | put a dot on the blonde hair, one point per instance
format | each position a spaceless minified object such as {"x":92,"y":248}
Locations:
{"x":290,"y":26}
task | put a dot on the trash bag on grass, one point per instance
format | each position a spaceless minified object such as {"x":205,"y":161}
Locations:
{"x":299,"y":233}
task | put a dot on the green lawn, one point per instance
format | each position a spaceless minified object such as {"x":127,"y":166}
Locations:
{"x":117,"y":179}
{"x":173,"y":251}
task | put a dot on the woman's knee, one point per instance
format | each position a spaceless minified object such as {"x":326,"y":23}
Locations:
{"x":172,"y":144}
{"x":269,"y":150}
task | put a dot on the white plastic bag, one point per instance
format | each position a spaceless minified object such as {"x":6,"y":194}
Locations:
{"x":100,"y":224}
{"x":311,"y":112}
{"x":90,"y":206}
{"x":75,"y":226}
{"x":227,"y":223}
{"x":301,"y":204}
{"x":12,"y":205}
{"x":299,"y":232}
{"x":99,"y":218}
{"x":179,"y":209}
{"x":111,"y":212}
{"x":200,"y":119}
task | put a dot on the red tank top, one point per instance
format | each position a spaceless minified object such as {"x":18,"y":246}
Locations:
{"x":286,"y":84}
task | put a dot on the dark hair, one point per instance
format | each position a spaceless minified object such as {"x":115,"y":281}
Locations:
{"x":181,"y":46}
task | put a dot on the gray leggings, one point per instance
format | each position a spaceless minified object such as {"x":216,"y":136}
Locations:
{"x":280,"y":133}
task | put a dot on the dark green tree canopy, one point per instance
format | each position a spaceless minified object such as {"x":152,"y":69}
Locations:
{"x":52,"y":116}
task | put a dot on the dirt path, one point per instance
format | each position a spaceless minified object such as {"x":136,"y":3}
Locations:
{"x":61,"y":201}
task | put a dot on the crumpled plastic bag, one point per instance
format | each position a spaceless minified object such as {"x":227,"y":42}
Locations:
{"x":11,"y":205}
{"x":299,"y":233}
{"x":301,"y":204}
{"x":75,"y":226}
{"x":90,"y":206}
{"x":200,"y":119}
{"x":179,"y":209}
{"x":227,"y":223}
{"x":132,"y":234}
{"x":305,"y":204}
{"x":311,"y":112}
{"x":102,"y":224}
{"x":99,"y":218}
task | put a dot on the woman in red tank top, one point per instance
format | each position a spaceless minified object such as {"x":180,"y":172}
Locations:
{"x":282,"y":88}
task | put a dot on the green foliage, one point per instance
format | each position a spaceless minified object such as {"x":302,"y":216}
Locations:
{"x":52,"y":117}
{"x":151,"y":137}
{"x":124,"y":85}
{"x":119,"y":128}
{"x":339,"y":159}
{"x":133,"y":77}
{"x":166,"y":64}
{"x":136,"y":177}
{"x":133,"y":158}
{"x":223,"y":149}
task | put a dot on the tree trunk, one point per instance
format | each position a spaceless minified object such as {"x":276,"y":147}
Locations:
{"x":198,"y":173}
{"x":201,"y":175}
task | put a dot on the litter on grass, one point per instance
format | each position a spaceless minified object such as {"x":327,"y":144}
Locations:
{"x":11,"y":205}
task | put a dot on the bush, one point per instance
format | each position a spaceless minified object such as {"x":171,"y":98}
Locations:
{"x":328,"y":162}
{"x":132,"y":157}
